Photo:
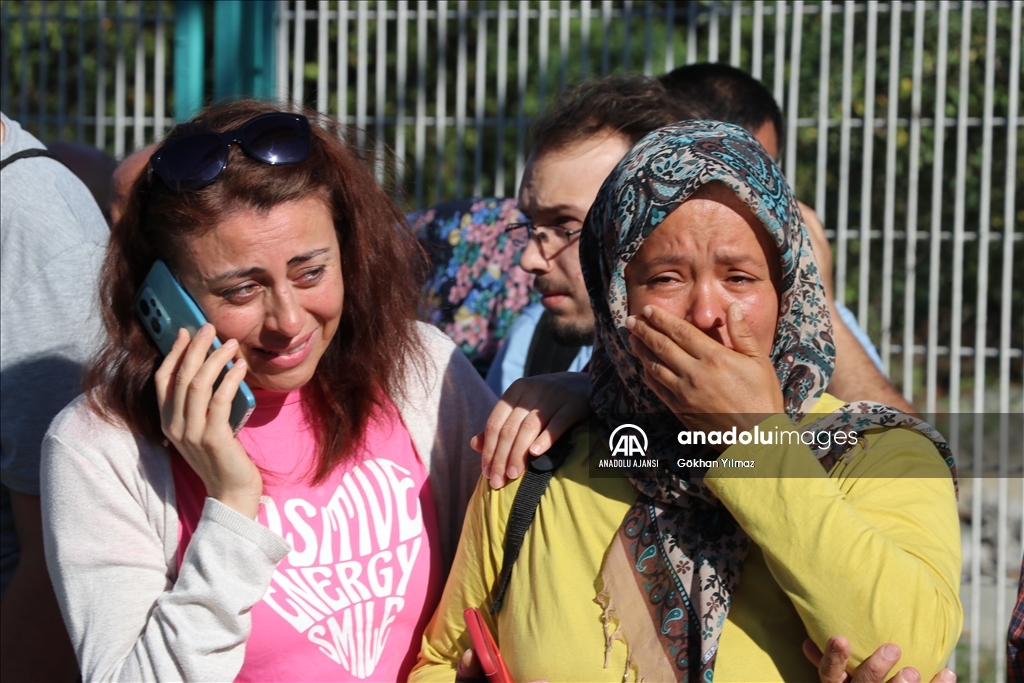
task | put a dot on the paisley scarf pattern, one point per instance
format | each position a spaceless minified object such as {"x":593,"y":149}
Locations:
{"x":678,"y":557}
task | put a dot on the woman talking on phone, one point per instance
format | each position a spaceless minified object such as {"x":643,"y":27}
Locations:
{"x":312,"y":544}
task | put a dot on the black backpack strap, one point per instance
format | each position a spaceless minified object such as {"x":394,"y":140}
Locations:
{"x":524,"y":508}
{"x":27,"y":154}
{"x":546,"y":355}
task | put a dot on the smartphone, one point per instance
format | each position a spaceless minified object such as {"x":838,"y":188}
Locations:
{"x":485,"y":648}
{"x":164,"y":307}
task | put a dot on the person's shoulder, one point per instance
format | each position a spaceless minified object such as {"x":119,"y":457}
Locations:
{"x":897,"y":449}
{"x":41,"y":189}
{"x":436,"y":347}
{"x":81,"y":423}
{"x":103,"y":440}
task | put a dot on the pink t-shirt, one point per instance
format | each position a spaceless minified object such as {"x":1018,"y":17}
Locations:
{"x":351,"y":600}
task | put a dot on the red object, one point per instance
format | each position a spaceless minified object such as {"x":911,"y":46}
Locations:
{"x":485,"y":648}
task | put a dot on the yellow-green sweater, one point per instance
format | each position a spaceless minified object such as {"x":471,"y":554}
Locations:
{"x":870,"y":550}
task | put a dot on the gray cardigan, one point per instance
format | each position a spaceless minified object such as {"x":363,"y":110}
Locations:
{"x":111,"y":532}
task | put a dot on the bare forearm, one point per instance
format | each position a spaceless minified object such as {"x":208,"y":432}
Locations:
{"x":856,"y":378}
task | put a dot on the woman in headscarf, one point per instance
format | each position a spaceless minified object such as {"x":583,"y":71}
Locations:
{"x":711,"y":318}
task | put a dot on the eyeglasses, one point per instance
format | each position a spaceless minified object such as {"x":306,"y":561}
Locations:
{"x":195,"y":160}
{"x":550,"y":238}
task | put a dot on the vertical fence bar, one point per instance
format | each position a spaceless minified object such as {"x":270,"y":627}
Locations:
{"x":713,"y":32}
{"x":322,"y":60}
{"x":843,"y":213}
{"x":981,"y":325}
{"x":282,"y":51}
{"x":606,"y":18}
{"x":691,"y":32}
{"x":139,"y":123}
{"x":913,"y":195}
{"x":735,"y":33}
{"x":543,"y":38}
{"x":1007,"y":279}
{"x":867,"y":167}
{"x":499,"y":171}
{"x":480,"y":94}
{"x":648,"y":37}
{"x":44,"y":50}
{"x":627,"y":22}
{"x":460,"y":98}
{"x":343,"y":60}
{"x":959,"y":211}
{"x":62,"y":69}
{"x":25,"y":80}
{"x":5,"y":58}
{"x":895,"y":12}
{"x":670,"y":33}
{"x":954,"y":348}
{"x":584,"y":39}
{"x":956,"y":334}
{"x":120,"y":87}
{"x":563,"y":43}
{"x":756,"y":56}
{"x":780,"y":51}
{"x":441,"y":105}
{"x":80,"y":131}
{"x":421,"y":97}
{"x":101,"y":103}
{"x":362,"y":39}
{"x":521,"y":73}
{"x":299,"y":56}
{"x":401,"y":43}
{"x":380,"y":106}
{"x":159,"y":75}
{"x":792,"y":109}
{"x":824,"y":55}
{"x":401,"y":64}
{"x":931,"y":363}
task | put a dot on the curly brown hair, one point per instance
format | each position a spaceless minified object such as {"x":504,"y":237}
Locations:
{"x":380,"y":262}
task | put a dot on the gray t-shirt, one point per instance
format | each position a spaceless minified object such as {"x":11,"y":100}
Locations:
{"x":52,"y":241}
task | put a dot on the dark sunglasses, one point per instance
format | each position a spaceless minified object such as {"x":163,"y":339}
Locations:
{"x":194,"y":160}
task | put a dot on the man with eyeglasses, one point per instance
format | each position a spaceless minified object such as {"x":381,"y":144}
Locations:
{"x":576,"y":145}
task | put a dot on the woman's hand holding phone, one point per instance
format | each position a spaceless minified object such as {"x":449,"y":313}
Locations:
{"x":194,"y":417}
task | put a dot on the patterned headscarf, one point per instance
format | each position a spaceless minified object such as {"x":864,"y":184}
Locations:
{"x":678,"y":547}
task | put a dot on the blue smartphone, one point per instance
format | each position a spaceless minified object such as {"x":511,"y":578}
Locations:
{"x":164,"y":307}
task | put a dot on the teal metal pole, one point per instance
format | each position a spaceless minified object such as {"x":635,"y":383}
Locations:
{"x":228,"y":68}
{"x":189,"y":34}
{"x":243,"y":49}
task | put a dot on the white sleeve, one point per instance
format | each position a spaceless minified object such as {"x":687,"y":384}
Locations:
{"x":113,"y":569}
{"x":444,"y":405}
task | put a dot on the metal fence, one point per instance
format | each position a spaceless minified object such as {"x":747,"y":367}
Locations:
{"x":903,"y":126}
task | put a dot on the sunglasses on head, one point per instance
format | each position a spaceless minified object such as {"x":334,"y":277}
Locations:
{"x":194,"y":160}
